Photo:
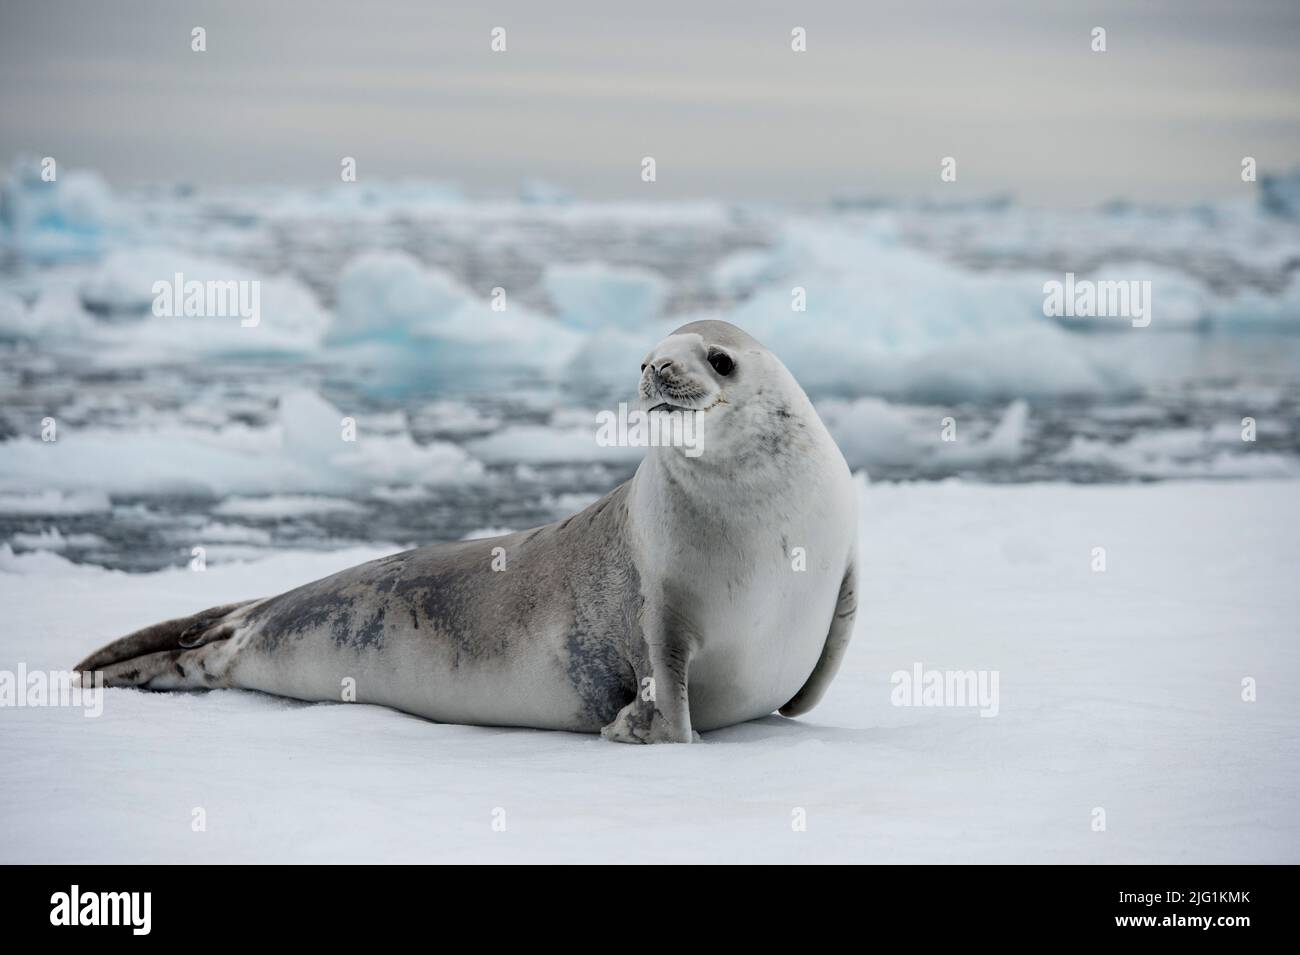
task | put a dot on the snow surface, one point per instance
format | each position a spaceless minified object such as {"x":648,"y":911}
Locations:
{"x":1119,"y":690}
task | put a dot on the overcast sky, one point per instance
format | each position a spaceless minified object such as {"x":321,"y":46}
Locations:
{"x":712,"y":90}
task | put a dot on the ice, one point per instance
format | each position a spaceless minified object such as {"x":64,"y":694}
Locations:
{"x":52,"y":538}
{"x":281,"y":506}
{"x":1177,"y":300}
{"x":594,"y":295}
{"x":479,"y":533}
{"x":1252,"y":309}
{"x":71,"y":218}
{"x":303,"y":451}
{"x":109,"y":313}
{"x":420,"y":326}
{"x":400,"y":494}
{"x":16,"y":322}
{"x":390,"y":295}
{"x":1279,"y":194}
{"x":539,"y":192}
{"x":570,"y":503}
{"x":1006,"y":442}
{"x":742,"y":272}
{"x":39,"y":563}
{"x":1180,"y":302}
{"x":52,"y":502}
{"x":1182,"y":453}
{"x":456,"y":418}
{"x":218,"y":532}
{"x":361,"y":200}
{"x":871,"y":432}
{"x":888,"y":320}
{"x":894,"y":307}
{"x":1120,"y":690}
{"x":612,"y":357}
{"x":544,"y":444}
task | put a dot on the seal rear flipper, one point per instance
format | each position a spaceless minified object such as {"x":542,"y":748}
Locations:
{"x":181,"y":634}
{"x":837,"y":642}
{"x":167,"y":670}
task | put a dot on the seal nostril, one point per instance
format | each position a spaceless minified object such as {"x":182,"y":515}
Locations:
{"x":664,"y":366}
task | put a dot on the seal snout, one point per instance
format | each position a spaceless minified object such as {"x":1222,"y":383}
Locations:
{"x":676,"y":375}
{"x":664,"y":383}
{"x":663,"y":368}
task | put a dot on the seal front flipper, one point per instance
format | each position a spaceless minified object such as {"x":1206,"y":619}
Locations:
{"x":837,"y":641}
{"x":660,"y":712}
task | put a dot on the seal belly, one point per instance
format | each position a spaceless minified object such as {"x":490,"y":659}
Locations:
{"x":759,"y":652}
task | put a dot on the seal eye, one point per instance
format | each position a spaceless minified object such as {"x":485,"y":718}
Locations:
{"x":721,"y":363}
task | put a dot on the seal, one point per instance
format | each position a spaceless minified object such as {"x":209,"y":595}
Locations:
{"x":705,"y":591}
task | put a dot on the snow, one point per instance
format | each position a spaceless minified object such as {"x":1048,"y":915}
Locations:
{"x":1119,"y":690}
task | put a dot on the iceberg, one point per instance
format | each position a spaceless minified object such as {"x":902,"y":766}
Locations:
{"x":68,"y":219}
{"x":415,"y":326}
{"x":885,"y":319}
{"x":595,"y":295}
{"x":302,"y":451}
{"x":109,"y":312}
{"x":871,"y":433}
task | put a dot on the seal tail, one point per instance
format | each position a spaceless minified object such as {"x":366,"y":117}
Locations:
{"x":167,"y":655}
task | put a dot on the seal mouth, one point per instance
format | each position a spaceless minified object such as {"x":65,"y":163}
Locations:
{"x":670,"y":407}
